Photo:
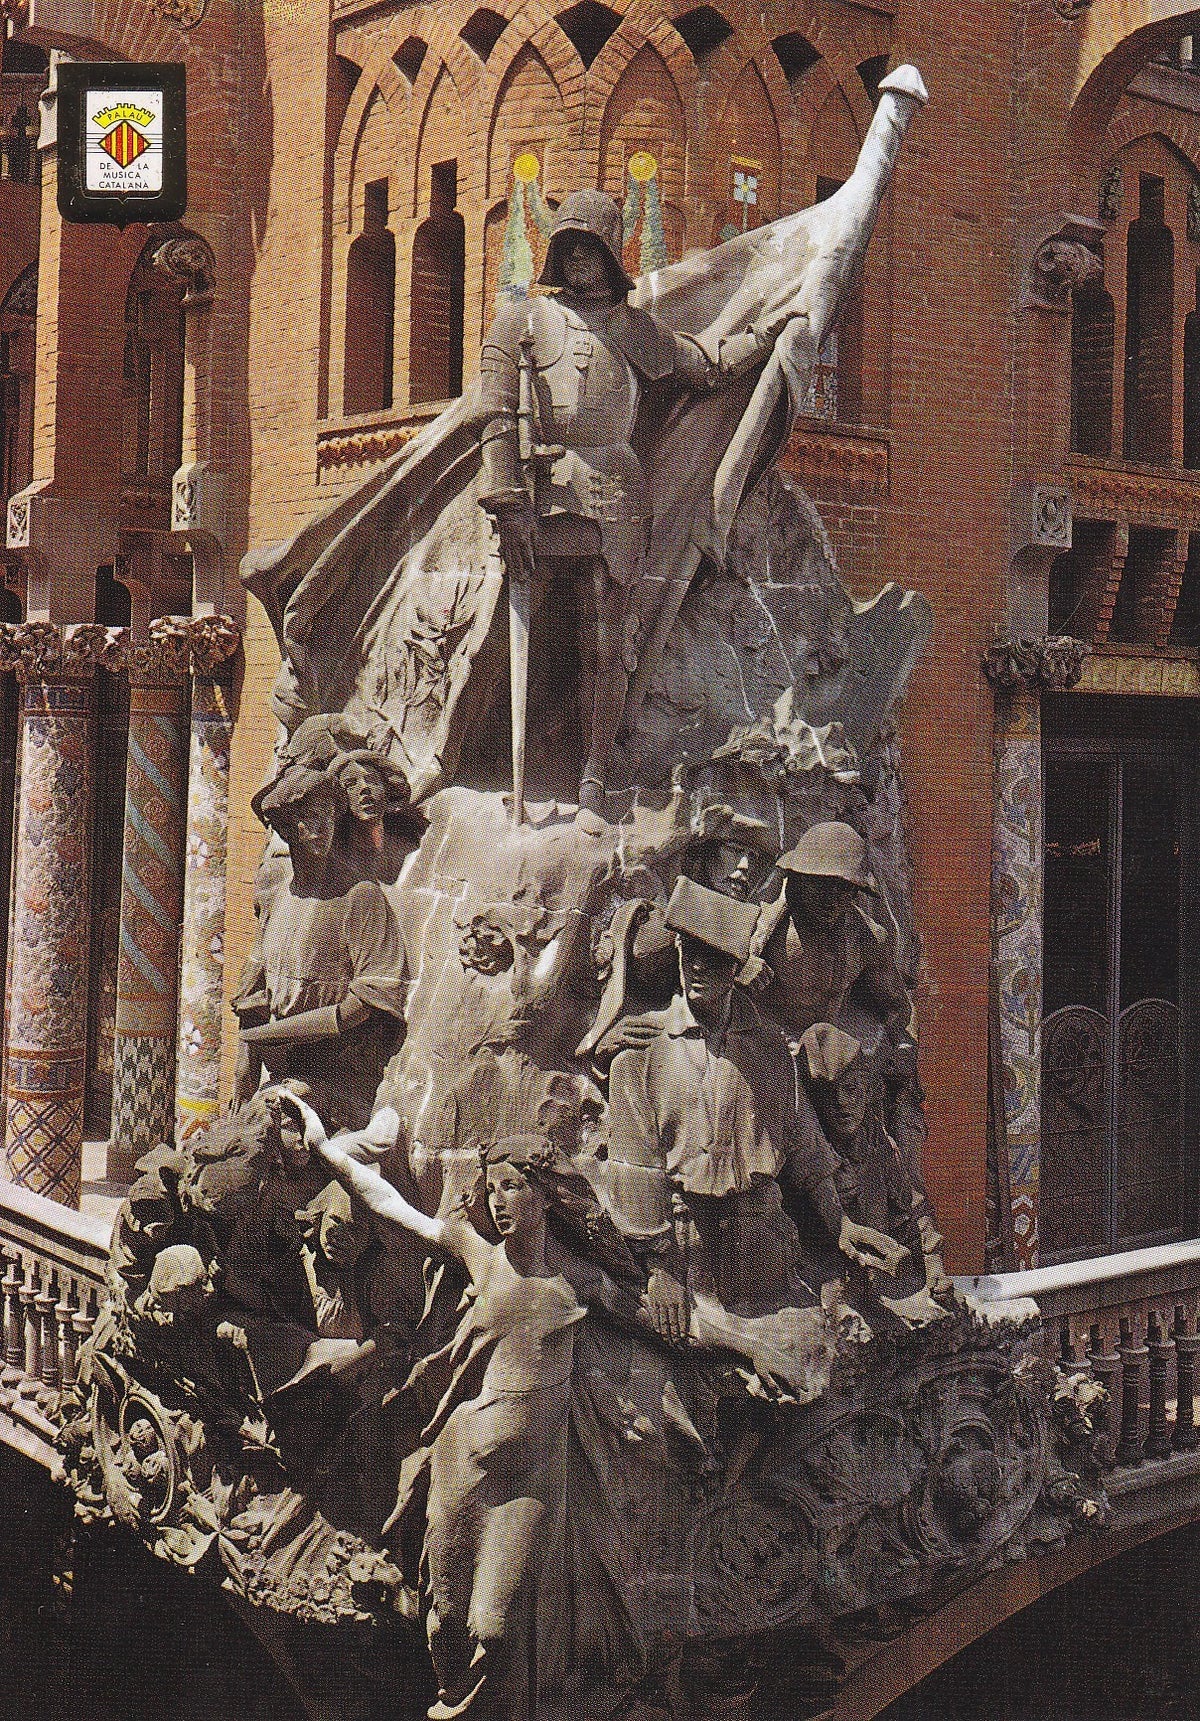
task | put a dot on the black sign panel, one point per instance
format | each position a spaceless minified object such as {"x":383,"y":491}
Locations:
{"x":122,"y":142}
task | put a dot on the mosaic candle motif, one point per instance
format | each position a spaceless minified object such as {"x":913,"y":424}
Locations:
{"x":1017,"y":912}
{"x":202,"y":968}
{"x":44,"y":1082}
{"x":151,"y":906}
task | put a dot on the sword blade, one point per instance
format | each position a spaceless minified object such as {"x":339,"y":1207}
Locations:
{"x":518,"y":672}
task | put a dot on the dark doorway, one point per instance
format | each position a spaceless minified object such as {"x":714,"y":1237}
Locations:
{"x":1118,"y":1161}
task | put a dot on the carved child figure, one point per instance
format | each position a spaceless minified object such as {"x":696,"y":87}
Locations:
{"x":874,"y":1182}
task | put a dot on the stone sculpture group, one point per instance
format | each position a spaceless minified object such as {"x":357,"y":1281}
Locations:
{"x":562,"y":1283}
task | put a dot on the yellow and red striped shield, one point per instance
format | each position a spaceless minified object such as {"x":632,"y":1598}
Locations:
{"x":124,"y":143}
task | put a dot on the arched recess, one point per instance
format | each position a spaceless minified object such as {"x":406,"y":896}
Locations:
{"x":1148,"y":397}
{"x":435,"y":341}
{"x":1093,"y":332}
{"x":1116,"y":38}
{"x":525,"y":128}
{"x":367,"y":382}
{"x":18,"y":326}
{"x":643,"y":142}
{"x":746,"y":164}
{"x":152,"y":391}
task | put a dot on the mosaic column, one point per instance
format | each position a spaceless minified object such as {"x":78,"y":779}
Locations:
{"x":45,"y":1053}
{"x":143,"y":1108}
{"x":1017,"y":946}
{"x":1021,"y":670}
{"x":214,"y":641}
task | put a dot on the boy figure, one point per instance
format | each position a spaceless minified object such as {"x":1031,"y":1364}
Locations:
{"x":819,"y":942}
{"x":705,"y":1121}
{"x":874,"y":1183}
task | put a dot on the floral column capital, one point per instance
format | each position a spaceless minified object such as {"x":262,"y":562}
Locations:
{"x":1053,"y":663}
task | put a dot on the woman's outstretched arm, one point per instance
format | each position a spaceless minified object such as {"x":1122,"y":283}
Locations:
{"x":381,"y":1197}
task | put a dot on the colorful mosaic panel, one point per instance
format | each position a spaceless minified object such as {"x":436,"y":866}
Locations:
{"x":202,"y":971}
{"x":47,"y":1022}
{"x":151,"y":910}
{"x":1017,"y":935}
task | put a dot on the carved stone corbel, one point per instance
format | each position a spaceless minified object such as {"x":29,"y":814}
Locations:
{"x":1053,"y":663}
{"x":184,"y":14}
{"x":1064,"y":261}
{"x":188,"y":258}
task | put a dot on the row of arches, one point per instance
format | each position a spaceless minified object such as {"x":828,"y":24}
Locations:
{"x":455,"y":148}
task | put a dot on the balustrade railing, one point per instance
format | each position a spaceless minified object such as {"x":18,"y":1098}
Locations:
{"x":1132,"y":1322}
{"x":52,"y":1263}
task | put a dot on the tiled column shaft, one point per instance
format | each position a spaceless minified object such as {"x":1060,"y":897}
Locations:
{"x":143,"y":1111}
{"x":202,"y":972}
{"x":1017,"y":920}
{"x":47,"y":1020}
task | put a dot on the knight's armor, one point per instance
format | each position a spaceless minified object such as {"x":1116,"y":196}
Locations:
{"x":586,"y":359}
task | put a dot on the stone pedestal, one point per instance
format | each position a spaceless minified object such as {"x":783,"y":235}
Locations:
{"x":143,"y":1109}
{"x":47,"y":1017}
{"x":215,"y":640}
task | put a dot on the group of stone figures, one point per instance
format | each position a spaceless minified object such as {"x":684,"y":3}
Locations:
{"x":572,"y":1173}
{"x":563,"y":1278}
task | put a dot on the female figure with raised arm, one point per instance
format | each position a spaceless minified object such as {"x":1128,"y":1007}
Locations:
{"x":490,"y":1472}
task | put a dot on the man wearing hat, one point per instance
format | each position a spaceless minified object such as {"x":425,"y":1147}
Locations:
{"x":563,"y":380}
{"x":705,"y":1123}
{"x":818,"y":940}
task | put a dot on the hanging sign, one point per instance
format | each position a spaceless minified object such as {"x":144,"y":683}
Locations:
{"x":122,"y":142}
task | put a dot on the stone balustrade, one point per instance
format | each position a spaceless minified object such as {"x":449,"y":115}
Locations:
{"x":1130,"y":1321}
{"x":53,"y":1262}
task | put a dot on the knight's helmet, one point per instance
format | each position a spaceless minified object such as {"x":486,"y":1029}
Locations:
{"x":595,"y":213}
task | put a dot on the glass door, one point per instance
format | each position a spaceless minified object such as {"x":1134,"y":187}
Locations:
{"x":1118,"y":1159}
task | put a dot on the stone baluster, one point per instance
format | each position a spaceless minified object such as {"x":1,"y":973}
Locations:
{"x":214,"y":641}
{"x":1133,"y":1358}
{"x":1185,"y":1437}
{"x":64,"y":1309}
{"x":143,"y":1110}
{"x":31,"y":1365}
{"x":1105,"y":1365}
{"x":45,"y":1054}
{"x":1158,"y":1441}
{"x":14,"y":1328}
{"x":83,"y":1320}
{"x":46,"y":1299}
{"x":1066,"y":1348}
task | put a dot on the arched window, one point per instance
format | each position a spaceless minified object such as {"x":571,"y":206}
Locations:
{"x":153,"y":374}
{"x":1149,"y":336}
{"x":435,"y":345}
{"x":1092,"y":326}
{"x":1191,"y":384}
{"x":370,"y":308}
{"x":18,"y":322}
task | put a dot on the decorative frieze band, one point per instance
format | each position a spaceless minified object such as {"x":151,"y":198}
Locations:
{"x":176,"y":646}
{"x":362,"y":447}
{"x":1053,"y":663}
{"x":1102,"y":492}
